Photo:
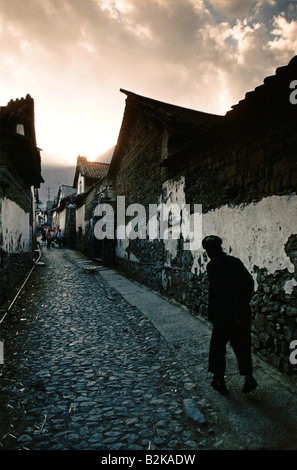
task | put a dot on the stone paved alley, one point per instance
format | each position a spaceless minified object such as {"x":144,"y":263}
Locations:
{"x":95,"y":361}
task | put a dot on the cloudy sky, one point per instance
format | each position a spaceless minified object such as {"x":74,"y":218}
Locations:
{"x":73,"y":56}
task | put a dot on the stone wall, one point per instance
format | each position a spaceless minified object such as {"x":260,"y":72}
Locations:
{"x":70,"y":227}
{"x":140,"y":173}
{"x":85,"y":223}
{"x":86,"y":242}
{"x":13,"y":271}
{"x":17,"y":237}
{"x":245,"y":178}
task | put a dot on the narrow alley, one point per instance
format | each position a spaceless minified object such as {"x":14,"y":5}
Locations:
{"x":84,"y":369}
{"x":94,"y":361}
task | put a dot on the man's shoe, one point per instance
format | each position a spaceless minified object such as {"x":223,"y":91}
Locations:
{"x":249,"y":385}
{"x":220,"y":386}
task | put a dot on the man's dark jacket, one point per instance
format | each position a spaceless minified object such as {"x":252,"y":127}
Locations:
{"x":230,"y":288}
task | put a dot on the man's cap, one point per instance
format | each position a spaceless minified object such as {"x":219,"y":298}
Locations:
{"x":211,"y":242}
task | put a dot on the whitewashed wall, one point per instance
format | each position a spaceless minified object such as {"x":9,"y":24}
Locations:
{"x":16,"y":228}
{"x":59,"y":218}
{"x":256,"y":232}
{"x":80,"y":184}
{"x":80,"y":218}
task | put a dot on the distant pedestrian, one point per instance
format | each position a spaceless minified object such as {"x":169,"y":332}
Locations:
{"x":48,"y":239}
{"x":230,"y":290}
{"x":43,"y":236}
{"x":60,"y":238}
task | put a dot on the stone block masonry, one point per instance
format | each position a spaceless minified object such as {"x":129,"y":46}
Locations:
{"x":17,"y":241}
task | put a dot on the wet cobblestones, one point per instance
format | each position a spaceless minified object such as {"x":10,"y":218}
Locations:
{"x":86,"y":370}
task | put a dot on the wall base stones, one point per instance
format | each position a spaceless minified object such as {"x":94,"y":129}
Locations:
{"x":274,"y":325}
{"x":146,"y":273}
{"x":13,"y":272}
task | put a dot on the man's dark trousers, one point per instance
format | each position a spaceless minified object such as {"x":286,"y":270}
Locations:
{"x":239,"y":336}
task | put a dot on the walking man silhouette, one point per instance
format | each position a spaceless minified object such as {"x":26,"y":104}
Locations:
{"x":230,"y":290}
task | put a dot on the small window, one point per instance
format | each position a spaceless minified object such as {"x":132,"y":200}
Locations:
{"x":20,"y":129}
{"x":164,"y":148}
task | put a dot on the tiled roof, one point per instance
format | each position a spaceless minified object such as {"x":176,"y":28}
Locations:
{"x":170,"y":113}
{"x":91,"y":170}
{"x":188,"y":123}
{"x":270,"y":96}
{"x":66,"y":190}
{"x":195,"y":129}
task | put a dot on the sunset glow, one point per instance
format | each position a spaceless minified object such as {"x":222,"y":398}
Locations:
{"x":73,"y":57}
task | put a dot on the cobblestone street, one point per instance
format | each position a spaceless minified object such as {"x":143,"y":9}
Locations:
{"x":92,"y":364}
{"x":86,"y":370}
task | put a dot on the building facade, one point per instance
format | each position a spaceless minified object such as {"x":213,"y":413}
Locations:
{"x":87,"y":176}
{"x":63,"y":214}
{"x":236,"y":177}
{"x":20,"y":175}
